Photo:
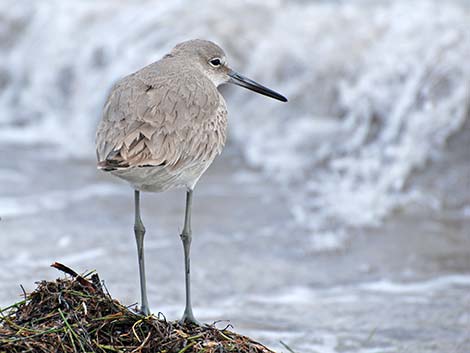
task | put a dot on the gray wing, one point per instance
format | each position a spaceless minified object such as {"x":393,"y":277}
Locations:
{"x":159,"y":120}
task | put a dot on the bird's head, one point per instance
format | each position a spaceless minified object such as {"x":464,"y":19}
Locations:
{"x":211,"y":60}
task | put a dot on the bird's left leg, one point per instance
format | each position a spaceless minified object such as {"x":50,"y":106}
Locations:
{"x":188,"y":315}
{"x":139,"y":231}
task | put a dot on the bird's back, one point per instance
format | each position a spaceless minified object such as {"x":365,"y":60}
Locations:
{"x":164,"y":124}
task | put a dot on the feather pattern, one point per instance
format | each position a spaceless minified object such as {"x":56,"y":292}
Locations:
{"x":161,"y":126}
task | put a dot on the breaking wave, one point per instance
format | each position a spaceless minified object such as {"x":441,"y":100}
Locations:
{"x":374,"y":91}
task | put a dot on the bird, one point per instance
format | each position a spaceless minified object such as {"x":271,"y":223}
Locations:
{"x":162,"y":126}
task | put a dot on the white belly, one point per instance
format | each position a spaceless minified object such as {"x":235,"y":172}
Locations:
{"x":161,"y":178}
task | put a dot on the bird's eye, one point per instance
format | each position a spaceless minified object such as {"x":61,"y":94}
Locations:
{"x":215,"y":62}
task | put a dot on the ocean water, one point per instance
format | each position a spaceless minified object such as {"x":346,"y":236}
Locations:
{"x":375,"y":90}
{"x":340,"y":221}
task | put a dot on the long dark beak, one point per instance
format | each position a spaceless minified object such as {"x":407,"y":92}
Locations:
{"x":243,"y":81}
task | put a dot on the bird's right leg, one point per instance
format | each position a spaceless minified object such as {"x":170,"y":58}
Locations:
{"x":139,"y":231}
{"x":186,"y":237}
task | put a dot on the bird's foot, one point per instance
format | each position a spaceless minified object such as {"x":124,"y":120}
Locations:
{"x":188,"y":318}
{"x":144,"y":310}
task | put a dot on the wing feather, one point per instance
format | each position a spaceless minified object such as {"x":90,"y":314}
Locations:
{"x":152,"y":119}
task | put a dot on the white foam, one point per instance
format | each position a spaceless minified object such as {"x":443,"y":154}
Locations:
{"x":11,"y":207}
{"x":389,"y":80}
{"x":328,"y":241}
{"x":430,"y":286}
{"x":293,"y":295}
{"x":351,"y":293}
{"x":375,"y":90}
{"x":466,"y":211}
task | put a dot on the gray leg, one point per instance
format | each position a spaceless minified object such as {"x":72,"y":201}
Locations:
{"x":186,"y":238}
{"x":139,"y":231}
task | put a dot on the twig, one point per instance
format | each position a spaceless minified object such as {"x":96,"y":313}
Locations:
{"x":287,"y":347}
{"x":24,"y":292}
{"x":142,"y":345}
{"x":74,"y":274}
{"x":184,"y":349}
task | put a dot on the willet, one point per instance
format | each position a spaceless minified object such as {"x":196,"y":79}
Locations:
{"x":162,"y":127}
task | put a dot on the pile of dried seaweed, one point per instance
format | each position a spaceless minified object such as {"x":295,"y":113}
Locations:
{"x":78,"y":315}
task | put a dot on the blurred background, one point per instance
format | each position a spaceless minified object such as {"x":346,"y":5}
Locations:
{"x":339,"y":222}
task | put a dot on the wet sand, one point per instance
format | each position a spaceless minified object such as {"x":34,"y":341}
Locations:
{"x":401,"y":287}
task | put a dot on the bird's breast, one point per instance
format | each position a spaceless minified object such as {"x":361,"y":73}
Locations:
{"x":207,"y":138}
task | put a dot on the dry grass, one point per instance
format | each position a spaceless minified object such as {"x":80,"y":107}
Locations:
{"x":78,"y":315}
